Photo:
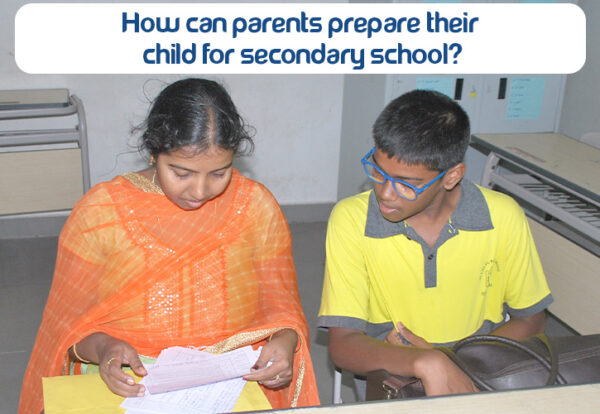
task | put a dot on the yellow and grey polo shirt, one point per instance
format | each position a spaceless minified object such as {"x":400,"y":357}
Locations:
{"x":483,"y":266}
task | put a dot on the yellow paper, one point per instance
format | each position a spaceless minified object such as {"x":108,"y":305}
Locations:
{"x":79,"y":394}
{"x":252,"y":398}
{"x":74,"y":394}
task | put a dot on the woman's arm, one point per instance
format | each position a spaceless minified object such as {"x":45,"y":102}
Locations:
{"x":110,"y":354}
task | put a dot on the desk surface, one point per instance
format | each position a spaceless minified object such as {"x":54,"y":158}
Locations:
{"x":556,"y":156}
{"x":549,"y":400}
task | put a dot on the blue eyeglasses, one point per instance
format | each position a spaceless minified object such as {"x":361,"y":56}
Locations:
{"x":402,"y":188}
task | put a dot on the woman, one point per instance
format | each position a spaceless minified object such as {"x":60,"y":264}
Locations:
{"x":188,"y":252}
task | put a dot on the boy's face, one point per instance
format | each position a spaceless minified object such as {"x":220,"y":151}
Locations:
{"x":393,"y":207}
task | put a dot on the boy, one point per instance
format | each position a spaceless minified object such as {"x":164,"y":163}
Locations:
{"x":426,"y":258}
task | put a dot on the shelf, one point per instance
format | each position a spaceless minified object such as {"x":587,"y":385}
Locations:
{"x":47,"y":169}
{"x":566,"y":205}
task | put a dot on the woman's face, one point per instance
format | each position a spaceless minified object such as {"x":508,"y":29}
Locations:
{"x":190,"y":178}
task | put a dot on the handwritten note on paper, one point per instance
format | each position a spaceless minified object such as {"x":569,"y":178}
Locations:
{"x":526,"y":98}
{"x":219,"y":397}
{"x":443,"y":85}
{"x":198,"y":381}
{"x":185,"y":368}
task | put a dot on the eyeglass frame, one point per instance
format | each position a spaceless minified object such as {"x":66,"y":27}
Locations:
{"x":387,"y":178}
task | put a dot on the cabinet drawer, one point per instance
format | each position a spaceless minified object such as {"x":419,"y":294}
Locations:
{"x":36,"y":181}
{"x":572,"y":274}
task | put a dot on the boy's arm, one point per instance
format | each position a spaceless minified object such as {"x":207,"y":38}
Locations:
{"x":353,"y":350}
{"x":522,"y":327}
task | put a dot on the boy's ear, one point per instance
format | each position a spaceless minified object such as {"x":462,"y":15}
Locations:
{"x":454,"y":175}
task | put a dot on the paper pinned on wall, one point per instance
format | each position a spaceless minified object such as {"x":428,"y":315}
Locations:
{"x":443,"y":85}
{"x":526,"y":96}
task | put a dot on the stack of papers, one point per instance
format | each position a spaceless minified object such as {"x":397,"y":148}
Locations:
{"x":192,"y":381}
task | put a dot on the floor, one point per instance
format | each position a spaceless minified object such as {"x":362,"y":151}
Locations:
{"x":26,"y":267}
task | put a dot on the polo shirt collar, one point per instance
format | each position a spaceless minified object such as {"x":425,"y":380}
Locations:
{"x":471,"y":214}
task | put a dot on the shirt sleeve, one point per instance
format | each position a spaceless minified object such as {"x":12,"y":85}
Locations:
{"x":527,"y":290}
{"x":345,"y":299}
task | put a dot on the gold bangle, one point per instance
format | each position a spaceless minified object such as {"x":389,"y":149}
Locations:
{"x":85,"y":361}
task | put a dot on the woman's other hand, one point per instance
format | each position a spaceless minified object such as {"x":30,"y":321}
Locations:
{"x":279,"y":351}
{"x":111,"y":354}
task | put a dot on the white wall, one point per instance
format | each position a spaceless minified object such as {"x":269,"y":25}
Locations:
{"x":297,"y":119}
{"x":581,"y":102}
{"x":364,"y":99}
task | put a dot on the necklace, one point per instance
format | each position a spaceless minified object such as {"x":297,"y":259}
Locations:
{"x":154,"y":176}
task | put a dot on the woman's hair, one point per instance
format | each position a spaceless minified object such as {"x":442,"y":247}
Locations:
{"x":194,"y":112}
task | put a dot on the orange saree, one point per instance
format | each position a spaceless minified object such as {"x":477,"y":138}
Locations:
{"x":134,"y":265}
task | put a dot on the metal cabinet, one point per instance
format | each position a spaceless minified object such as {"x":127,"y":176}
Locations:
{"x":555,"y":179}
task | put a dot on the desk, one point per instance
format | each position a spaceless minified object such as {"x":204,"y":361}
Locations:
{"x":549,"y":400}
{"x":556,"y":180}
{"x":556,"y":156}
{"x":577,"y":399}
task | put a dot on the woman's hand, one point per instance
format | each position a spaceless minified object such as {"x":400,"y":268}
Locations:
{"x":279,"y":351}
{"x":111,"y":354}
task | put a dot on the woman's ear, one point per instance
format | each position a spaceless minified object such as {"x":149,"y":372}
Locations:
{"x":454,"y":175}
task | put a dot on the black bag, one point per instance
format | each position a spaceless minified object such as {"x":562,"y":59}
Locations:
{"x":498,"y":363}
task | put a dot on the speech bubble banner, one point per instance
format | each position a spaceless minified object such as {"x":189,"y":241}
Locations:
{"x":308,"y":38}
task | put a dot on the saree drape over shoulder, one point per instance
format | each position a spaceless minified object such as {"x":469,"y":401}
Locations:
{"x":134,"y":265}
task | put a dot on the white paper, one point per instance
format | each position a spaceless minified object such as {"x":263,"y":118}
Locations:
{"x":181,"y":368}
{"x":219,"y":397}
{"x":178,"y":367}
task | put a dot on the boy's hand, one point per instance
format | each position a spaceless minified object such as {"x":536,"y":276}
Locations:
{"x":394,"y":337}
{"x":440,"y":376}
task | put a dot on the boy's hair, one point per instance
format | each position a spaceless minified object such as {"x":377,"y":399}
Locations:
{"x":423,"y":127}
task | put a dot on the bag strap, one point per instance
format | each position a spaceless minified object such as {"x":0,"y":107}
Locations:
{"x":479,"y":383}
{"x":551,"y":366}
